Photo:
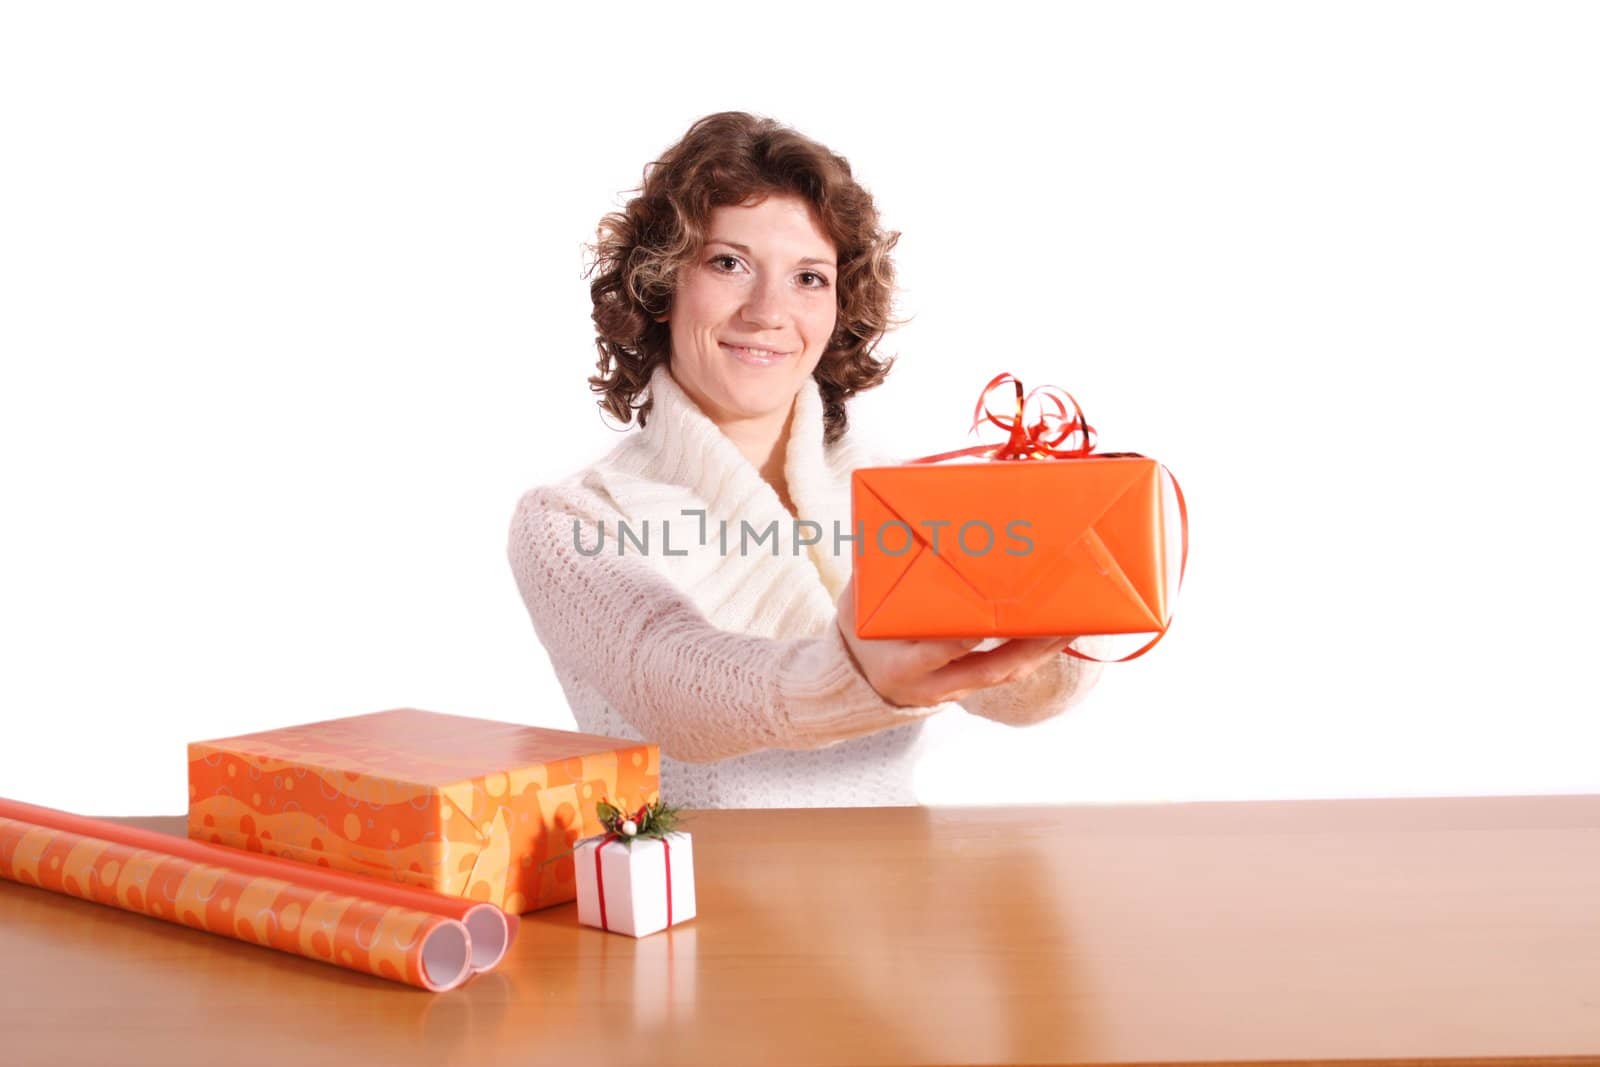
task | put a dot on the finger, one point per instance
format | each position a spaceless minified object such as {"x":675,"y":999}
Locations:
{"x":1038,"y":649}
{"x":979,"y":670}
{"x":930,"y":654}
{"x":1056,"y":644}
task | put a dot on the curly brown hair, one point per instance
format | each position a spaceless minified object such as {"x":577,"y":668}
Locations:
{"x":733,"y":158}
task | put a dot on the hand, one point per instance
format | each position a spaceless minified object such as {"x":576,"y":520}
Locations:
{"x":924,"y":672}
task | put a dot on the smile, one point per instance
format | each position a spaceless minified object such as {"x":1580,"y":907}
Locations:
{"x":760,"y":357}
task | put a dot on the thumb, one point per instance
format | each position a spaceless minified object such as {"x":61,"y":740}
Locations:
{"x":845,"y":603}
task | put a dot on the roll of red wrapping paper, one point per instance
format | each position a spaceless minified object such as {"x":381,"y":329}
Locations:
{"x":491,"y":928}
{"x":419,"y":948}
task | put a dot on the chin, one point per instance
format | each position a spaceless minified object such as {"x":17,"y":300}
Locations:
{"x":753,"y":399}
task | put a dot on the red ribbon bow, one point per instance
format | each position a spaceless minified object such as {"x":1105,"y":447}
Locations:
{"x":599,"y":874}
{"x":1038,"y":441}
{"x":1027,"y":441}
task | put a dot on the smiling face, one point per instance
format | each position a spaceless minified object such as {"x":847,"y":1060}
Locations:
{"x":753,"y":313}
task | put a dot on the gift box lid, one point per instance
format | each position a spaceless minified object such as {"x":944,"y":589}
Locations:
{"x":425,"y":749}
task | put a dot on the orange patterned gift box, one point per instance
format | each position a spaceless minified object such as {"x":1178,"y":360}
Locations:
{"x":462,"y":806}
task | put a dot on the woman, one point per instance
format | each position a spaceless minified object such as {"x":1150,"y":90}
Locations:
{"x":741,"y":294}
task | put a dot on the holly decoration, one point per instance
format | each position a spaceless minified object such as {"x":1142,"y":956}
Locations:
{"x":650,"y":820}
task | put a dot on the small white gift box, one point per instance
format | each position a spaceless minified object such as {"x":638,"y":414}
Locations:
{"x":635,"y":886}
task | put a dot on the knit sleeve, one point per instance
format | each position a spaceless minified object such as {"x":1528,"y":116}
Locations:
{"x":700,"y":692}
{"x":1044,"y":694}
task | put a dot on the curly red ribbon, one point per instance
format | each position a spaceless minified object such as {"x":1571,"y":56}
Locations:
{"x":1034,"y":441}
{"x":1027,"y":441}
{"x":599,"y":874}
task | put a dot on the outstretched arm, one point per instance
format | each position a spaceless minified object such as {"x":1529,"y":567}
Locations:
{"x":699,"y":692}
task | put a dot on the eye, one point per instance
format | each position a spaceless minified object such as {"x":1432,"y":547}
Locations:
{"x":728,"y":263}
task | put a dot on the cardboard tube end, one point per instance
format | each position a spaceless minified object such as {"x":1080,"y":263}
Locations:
{"x":446,"y":956}
{"x":491,"y":936}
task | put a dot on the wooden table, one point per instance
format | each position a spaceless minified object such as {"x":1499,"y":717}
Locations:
{"x":1369,"y":931}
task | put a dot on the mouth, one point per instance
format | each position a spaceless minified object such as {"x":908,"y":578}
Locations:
{"x":757,"y":355}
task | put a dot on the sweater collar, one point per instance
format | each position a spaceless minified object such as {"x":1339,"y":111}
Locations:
{"x":681,"y":446}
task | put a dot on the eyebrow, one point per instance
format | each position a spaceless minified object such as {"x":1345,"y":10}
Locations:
{"x":746,"y":250}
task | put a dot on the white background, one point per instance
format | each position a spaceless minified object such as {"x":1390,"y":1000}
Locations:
{"x":291,"y":312}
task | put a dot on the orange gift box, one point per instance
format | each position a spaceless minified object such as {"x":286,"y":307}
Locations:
{"x":1009,"y":549}
{"x":461,"y":806}
{"x":1032,"y":542}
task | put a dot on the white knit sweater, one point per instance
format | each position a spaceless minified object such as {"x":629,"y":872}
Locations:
{"x":731,"y":662}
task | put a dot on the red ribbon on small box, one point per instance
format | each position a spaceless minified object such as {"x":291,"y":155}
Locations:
{"x":1038,"y":441}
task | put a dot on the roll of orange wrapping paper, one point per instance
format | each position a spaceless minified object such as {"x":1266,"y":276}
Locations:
{"x":322,"y":915}
{"x":491,"y":928}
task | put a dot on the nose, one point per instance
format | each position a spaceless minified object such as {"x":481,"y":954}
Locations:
{"x":765,"y":306}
